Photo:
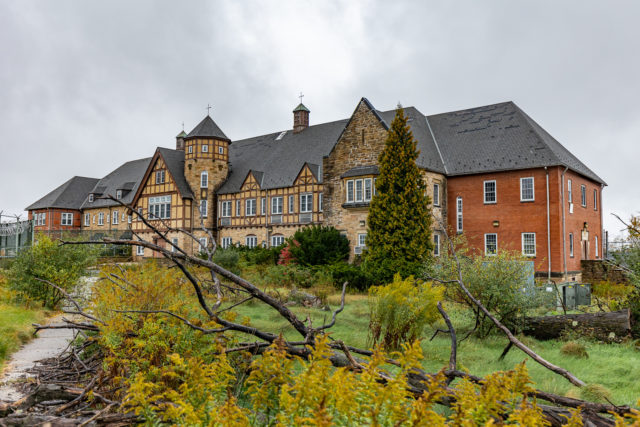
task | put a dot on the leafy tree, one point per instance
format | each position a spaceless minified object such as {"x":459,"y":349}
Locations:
{"x":318,"y":245}
{"x":399,"y":235}
{"x":48,"y":260}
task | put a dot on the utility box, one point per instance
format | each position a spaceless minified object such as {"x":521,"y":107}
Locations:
{"x":568,"y":292}
{"x":583,"y":294}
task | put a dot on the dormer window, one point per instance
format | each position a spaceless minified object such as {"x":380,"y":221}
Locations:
{"x":118,"y":194}
{"x":160,"y":177}
{"x":90,"y":198}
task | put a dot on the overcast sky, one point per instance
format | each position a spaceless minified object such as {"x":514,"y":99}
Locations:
{"x":88,"y":85}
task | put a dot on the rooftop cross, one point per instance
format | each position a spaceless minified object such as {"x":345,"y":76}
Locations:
{"x":208,"y":109}
{"x":301,"y":96}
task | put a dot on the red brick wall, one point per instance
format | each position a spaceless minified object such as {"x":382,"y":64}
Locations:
{"x":54,"y":219}
{"x":516,"y":217}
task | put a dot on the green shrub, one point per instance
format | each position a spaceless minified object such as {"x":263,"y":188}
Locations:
{"x":259,"y":255}
{"x":228,"y":258}
{"x":355,"y":275}
{"x":400,"y":311}
{"x":48,"y":260}
{"x":575,"y":349}
{"x":318,"y":245}
{"x":383,"y":271}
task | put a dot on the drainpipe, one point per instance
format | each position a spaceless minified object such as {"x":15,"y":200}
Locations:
{"x":548,"y":230}
{"x":564,"y":234}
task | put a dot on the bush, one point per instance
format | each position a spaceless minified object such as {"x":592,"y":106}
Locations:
{"x":401,"y":310}
{"x":318,"y":245}
{"x":595,"y":393}
{"x":380,"y":272}
{"x":355,"y":275}
{"x":575,"y":349}
{"x":48,"y":260}
{"x":259,"y":255}
{"x":228,"y":258}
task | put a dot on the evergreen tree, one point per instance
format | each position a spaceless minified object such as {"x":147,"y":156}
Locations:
{"x":399,"y":234}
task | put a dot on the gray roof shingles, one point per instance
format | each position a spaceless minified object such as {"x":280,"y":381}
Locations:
{"x":69,"y":195}
{"x":174,"y":159}
{"x":207,"y":128}
{"x":127,"y":178}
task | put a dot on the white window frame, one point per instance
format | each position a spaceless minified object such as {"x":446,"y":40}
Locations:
{"x":436,"y":194}
{"x":486,"y":247}
{"x":220,"y":150}
{"x":488,"y":193}
{"x":226,"y":208}
{"x":367,"y":197}
{"x":87,"y":219}
{"x":277,"y":240}
{"x":129,"y":219}
{"x":226,"y":242}
{"x":277,"y":205}
{"x":292,"y":204}
{"x":533,"y":189}
{"x":205,"y":148}
{"x":595,"y":199}
{"x":174,"y":243}
{"x":160,"y":176}
{"x":101,"y":218}
{"x":140,"y":250}
{"x":118,"y":194}
{"x":251,"y":241}
{"x":66,"y":219}
{"x":320,"y":202}
{"x":359,"y":197}
{"x":204,"y":208}
{"x":238,"y":207}
{"x":250,"y":207}
{"x":350,"y":191}
{"x":571,"y":243}
{"x":524,"y":244}
{"x":459,"y":218}
{"x":362,"y":240}
{"x":203,"y":244}
{"x":114,"y":218}
{"x":190,"y":149}
{"x":569,"y":191}
{"x":306,"y":202}
{"x":91,"y":198}
{"x":583,"y":195}
{"x":263,"y":206}
{"x":204,"y":179}
{"x":159,"y":207}
{"x":597,"y":249}
{"x":436,"y":244}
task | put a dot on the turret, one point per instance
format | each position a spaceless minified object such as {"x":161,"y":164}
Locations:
{"x":300,"y":118}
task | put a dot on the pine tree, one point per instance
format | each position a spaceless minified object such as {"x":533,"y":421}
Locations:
{"x":399,"y":234}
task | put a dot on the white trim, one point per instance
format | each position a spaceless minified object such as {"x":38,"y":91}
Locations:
{"x":597,"y":251}
{"x":595,"y":199}
{"x":583,"y":195}
{"x":251,"y":241}
{"x":101,"y":218}
{"x":307,"y":205}
{"x":350,"y":195}
{"x":522,"y":238}
{"x":571,"y":245}
{"x":533,"y":189}
{"x":459,"y":218}
{"x":292,"y":204}
{"x":486,"y":252}
{"x":277,"y":205}
{"x":569,"y":191}
{"x":226,"y":242}
{"x":277,"y":240}
{"x":114,"y":218}
{"x":226,"y":208}
{"x":436,"y":194}
{"x":495,"y":192}
{"x":205,"y":148}
{"x":66,"y":219}
{"x":203,"y":244}
{"x":250,"y":207}
{"x":204,"y":208}
{"x":87,"y":219}
{"x":204,"y":179}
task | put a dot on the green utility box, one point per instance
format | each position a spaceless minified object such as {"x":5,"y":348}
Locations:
{"x":568,"y":292}
{"x":583,"y":294}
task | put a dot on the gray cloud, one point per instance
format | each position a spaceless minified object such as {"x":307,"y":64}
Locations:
{"x":88,"y":85}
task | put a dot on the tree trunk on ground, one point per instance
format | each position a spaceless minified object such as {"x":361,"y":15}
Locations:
{"x":612,"y":326}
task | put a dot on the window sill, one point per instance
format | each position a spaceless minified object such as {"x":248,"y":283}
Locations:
{"x":490,"y":203}
{"x":527,"y":201}
{"x":356,"y":205}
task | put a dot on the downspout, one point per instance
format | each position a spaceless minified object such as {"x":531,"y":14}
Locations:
{"x":564,"y":234}
{"x":548,"y":230}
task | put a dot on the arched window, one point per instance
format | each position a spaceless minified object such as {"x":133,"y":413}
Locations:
{"x":204,"y":180}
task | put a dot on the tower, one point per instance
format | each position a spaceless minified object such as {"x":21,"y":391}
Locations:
{"x":206,"y":157}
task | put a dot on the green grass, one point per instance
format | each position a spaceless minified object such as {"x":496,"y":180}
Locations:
{"x":614,"y":366}
{"x":15,"y":327}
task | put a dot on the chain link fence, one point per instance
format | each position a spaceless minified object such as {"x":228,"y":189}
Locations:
{"x":14,"y":237}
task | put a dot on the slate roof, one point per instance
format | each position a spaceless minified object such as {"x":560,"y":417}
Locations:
{"x":69,"y":195}
{"x":126,"y":177}
{"x":207,"y":128}
{"x":361,"y":170}
{"x":280,"y":160}
{"x":498,"y":137}
{"x":174,"y":159}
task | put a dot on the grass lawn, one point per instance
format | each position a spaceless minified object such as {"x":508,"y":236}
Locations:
{"x":15,"y":327}
{"x":614,"y":366}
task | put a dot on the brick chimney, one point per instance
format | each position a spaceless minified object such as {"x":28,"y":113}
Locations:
{"x":180,"y":141}
{"x":300,"y":118}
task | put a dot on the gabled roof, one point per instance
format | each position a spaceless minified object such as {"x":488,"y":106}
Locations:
{"x":126,"y":177}
{"x":301,"y":107}
{"x":69,"y":195}
{"x":207,"y":128}
{"x":174,"y":159}
{"x":498,"y":137}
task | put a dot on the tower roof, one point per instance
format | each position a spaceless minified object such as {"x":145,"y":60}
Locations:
{"x":301,"y":107}
{"x":181,"y":134}
{"x":207,"y":128}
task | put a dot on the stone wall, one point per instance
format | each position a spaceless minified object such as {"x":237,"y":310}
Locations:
{"x":599,"y":271}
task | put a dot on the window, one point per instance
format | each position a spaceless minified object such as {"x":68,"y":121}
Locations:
{"x":292,"y":204}
{"x":358,"y":190}
{"x":160,"y":207}
{"x":139,"y":214}
{"x":490,"y":244}
{"x":490,"y":192}
{"x":277,"y":240}
{"x":220,"y":150}
{"x":226,"y":242}
{"x":583,"y":196}
{"x":90,"y":198}
{"x":529,"y":244}
{"x":526,"y":189}
{"x":238,"y":205}
{"x":205,"y":148}
{"x":367,"y":189}
{"x":190,"y":149}
{"x":203,"y":208}
{"x":43,"y":218}
{"x":87,"y":219}
{"x":436,"y":194}
{"x":101,"y":218}
{"x":140,"y":250}
{"x":436,"y":245}
{"x":174,"y":244}
{"x":250,"y":207}
{"x":459,"y":214}
{"x":93,"y":219}
{"x":204,"y":180}
{"x":129,"y":219}
{"x":226,"y":209}
{"x":118,"y":194}
{"x":595,"y":199}
{"x":203,"y":244}
{"x":320,"y":202}
{"x":122,"y":216}
{"x":362,"y":240}
{"x":276,"y":205}
{"x":597,"y":249}
{"x":263,"y":206}
{"x":67,"y":219}
{"x":569,"y":191}
{"x":571,"y":245}
{"x":115,"y":218}
{"x":306,"y":202}
{"x":251,"y":241}
{"x":375,"y":189}
{"x":349,"y":191}
{"x":160,"y":177}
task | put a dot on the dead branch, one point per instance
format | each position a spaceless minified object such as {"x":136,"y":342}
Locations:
{"x":452,"y":332}
{"x":169,"y":313}
{"x":336,"y":312}
{"x":73,"y":301}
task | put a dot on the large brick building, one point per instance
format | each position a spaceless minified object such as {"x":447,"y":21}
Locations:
{"x":492,"y":173}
